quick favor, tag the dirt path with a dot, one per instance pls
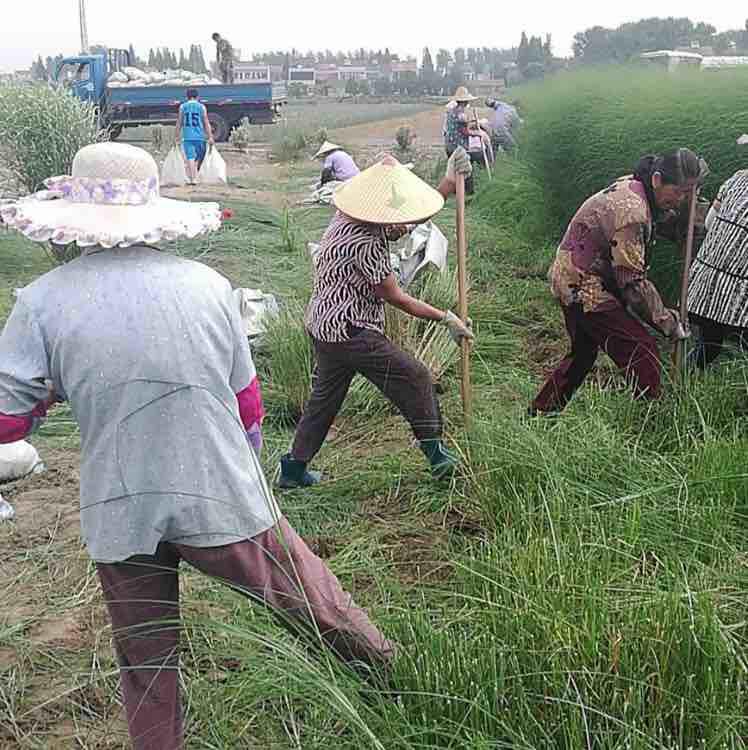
(427, 125)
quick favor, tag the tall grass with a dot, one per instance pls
(587, 128)
(41, 130)
(287, 363)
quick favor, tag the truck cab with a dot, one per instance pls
(86, 75)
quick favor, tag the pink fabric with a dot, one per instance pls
(251, 410)
(13, 429)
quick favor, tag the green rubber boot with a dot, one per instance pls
(294, 474)
(443, 462)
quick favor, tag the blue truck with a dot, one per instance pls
(132, 106)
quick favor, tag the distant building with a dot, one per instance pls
(673, 59)
(253, 73)
(713, 63)
(401, 72)
(352, 73)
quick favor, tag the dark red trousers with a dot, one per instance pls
(623, 338)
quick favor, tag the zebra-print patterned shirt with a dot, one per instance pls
(718, 288)
(352, 260)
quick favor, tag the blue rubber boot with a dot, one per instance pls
(294, 474)
(443, 462)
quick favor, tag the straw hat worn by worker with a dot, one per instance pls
(716, 292)
(337, 165)
(353, 280)
(457, 121)
(149, 350)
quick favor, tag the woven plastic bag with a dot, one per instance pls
(18, 460)
(173, 172)
(7, 512)
(213, 171)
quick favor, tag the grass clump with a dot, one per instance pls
(41, 130)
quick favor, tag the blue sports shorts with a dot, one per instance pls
(194, 150)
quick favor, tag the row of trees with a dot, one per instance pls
(166, 59)
(601, 45)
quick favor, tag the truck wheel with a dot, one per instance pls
(115, 131)
(220, 127)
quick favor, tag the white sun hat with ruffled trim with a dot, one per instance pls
(111, 200)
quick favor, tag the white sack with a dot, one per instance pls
(213, 170)
(174, 172)
(18, 460)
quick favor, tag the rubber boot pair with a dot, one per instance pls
(443, 462)
(294, 474)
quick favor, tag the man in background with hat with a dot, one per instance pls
(337, 165)
(149, 351)
(353, 280)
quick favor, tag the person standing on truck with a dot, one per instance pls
(224, 58)
(194, 133)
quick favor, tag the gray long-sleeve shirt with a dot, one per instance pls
(149, 351)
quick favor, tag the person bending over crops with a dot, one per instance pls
(337, 165)
(600, 278)
(150, 352)
(503, 123)
(353, 279)
(194, 133)
(716, 292)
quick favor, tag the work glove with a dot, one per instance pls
(254, 437)
(457, 329)
(680, 331)
(459, 163)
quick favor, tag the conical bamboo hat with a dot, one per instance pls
(463, 95)
(326, 148)
(388, 193)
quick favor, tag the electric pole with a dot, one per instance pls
(84, 27)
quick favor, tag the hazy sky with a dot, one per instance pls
(30, 27)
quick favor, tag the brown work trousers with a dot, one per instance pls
(399, 376)
(276, 568)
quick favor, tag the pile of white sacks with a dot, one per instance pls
(134, 77)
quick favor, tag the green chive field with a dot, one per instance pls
(582, 584)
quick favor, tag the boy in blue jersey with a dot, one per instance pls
(193, 132)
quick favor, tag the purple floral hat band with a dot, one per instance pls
(103, 192)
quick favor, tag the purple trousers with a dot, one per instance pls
(276, 568)
(623, 338)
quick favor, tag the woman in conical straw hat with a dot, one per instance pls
(149, 351)
(457, 126)
(353, 280)
(337, 165)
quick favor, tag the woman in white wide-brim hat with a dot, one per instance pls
(150, 352)
(337, 165)
(353, 280)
